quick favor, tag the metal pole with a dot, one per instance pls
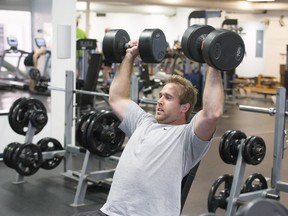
(278, 136)
(68, 117)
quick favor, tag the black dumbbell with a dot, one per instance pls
(220, 48)
(34, 74)
(152, 45)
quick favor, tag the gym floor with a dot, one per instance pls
(50, 193)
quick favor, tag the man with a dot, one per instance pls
(31, 61)
(163, 148)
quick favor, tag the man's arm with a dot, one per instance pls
(213, 105)
(119, 92)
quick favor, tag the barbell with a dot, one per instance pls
(152, 45)
(220, 48)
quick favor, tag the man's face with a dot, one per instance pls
(168, 109)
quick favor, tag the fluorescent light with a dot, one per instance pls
(260, 0)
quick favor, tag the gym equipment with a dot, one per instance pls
(220, 48)
(219, 200)
(152, 45)
(26, 159)
(263, 207)
(218, 196)
(98, 132)
(25, 110)
(49, 144)
(237, 198)
(254, 182)
(253, 152)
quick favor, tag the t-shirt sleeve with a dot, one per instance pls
(133, 117)
(195, 148)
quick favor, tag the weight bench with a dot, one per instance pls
(186, 184)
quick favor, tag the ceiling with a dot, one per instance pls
(227, 5)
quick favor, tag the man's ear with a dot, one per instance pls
(185, 107)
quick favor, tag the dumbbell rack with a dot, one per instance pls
(235, 198)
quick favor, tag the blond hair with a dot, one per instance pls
(188, 93)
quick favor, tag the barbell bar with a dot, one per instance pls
(270, 111)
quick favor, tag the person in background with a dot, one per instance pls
(80, 34)
(31, 61)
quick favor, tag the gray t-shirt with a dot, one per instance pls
(147, 180)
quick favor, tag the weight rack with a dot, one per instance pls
(277, 185)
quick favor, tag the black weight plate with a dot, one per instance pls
(22, 112)
(219, 200)
(254, 182)
(27, 159)
(8, 153)
(104, 138)
(192, 39)
(34, 74)
(221, 146)
(231, 146)
(254, 150)
(80, 127)
(114, 43)
(12, 110)
(39, 119)
(223, 49)
(49, 144)
(152, 45)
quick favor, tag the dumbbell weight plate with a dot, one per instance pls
(254, 150)
(192, 39)
(34, 74)
(8, 153)
(231, 146)
(223, 49)
(114, 45)
(152, 45)
(254, 182)
(219, 192)
(27, 159)
(49, 144)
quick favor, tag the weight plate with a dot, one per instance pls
(217, 197)
(8, 154)
(35, 74)
(192, 39)
(223, 49)
(12, 110)
(103, 136)
(81, 126)
(254, 150)
(152, 45)
(21, 115)
(222, 152)
(231, 146)
(49, 144)
(114, 43)
(254, 182)
(27, 159)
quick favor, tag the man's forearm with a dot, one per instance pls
(120, 86)
(213, 95)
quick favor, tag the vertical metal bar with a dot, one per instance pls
(68, 117)
(82, 183)
(134, 89)
(278, 136)
(237, 182)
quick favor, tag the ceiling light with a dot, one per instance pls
(260, 0)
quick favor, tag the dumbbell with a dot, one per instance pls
(152, 45)
(220, 48)
(34, 74)
(253, 150)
